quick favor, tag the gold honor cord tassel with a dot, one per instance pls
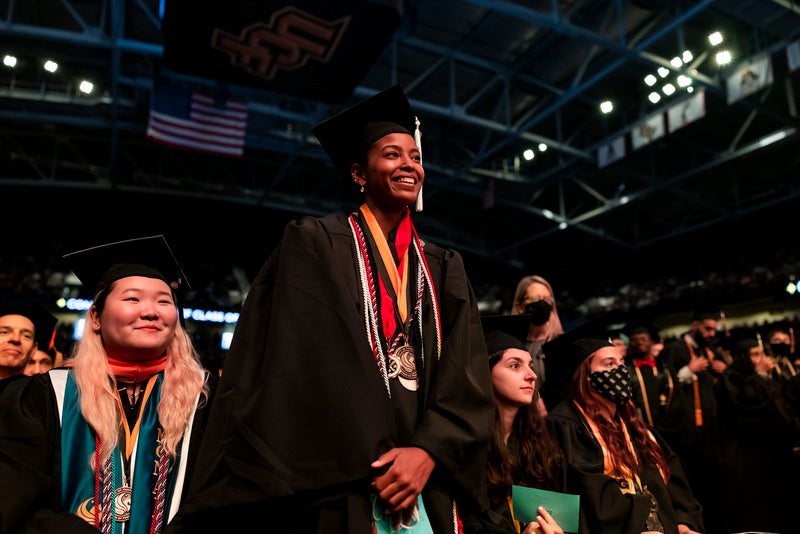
(698, 409)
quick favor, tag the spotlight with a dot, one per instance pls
(723, 58)
(86, 87)
(715, 38)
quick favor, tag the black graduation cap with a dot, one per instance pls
(97, 267)
(702, 314)
(640, 324)
(505, 332)
(565, 353)
(347, 134)
(43, 321)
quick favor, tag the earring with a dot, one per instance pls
(362, 189)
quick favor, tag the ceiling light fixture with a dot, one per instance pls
(9, 61)
(650, 80)
(606, 106)
(723, 57)
(86, 87)
(715, 38)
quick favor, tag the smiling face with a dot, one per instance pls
(513, 378)
(17, 342)
(138, 319)
(393, 173)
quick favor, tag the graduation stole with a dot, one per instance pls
(129, 498)
(628, 479)
(379, 321)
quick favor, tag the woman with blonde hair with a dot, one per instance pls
(104, 444)
(534, 297)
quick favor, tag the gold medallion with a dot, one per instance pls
(122, 504)
(407, 357)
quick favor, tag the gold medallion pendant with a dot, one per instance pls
(407, 366)
(122, 504)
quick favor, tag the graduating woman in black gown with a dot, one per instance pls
(356, 385)
(629, 479)
(106, 444)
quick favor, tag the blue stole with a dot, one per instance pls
(78, 462)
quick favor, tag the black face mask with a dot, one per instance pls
(780, 349)
(613, 384)
(539, 312)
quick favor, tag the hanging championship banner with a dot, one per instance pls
(311, 49)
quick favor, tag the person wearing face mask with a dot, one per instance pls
(534, 297)
(780, 346)
(629, 479)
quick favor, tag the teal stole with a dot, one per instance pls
(78, 462)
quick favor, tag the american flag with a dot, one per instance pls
(195, 120)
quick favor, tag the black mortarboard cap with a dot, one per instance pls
(97, 267)
(637, 326)
(705, 313)
(348, 133)
(43, 321)
(505, 332)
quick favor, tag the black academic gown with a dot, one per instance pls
(696, 445)
(759, 431)
(604, 508)
(302, 410)
(30, 459)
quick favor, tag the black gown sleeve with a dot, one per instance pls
(30, 460)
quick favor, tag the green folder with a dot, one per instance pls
(564, 507)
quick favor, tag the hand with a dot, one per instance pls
(697, 364)
(683, 529)
(408, 472)
(718, 366)
(544, 524)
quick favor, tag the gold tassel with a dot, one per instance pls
(698, 410)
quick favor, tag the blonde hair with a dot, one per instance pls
(552, 328)
(184, 380)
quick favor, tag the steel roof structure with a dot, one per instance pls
(489, 80)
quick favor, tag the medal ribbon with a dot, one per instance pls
(397, 277)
